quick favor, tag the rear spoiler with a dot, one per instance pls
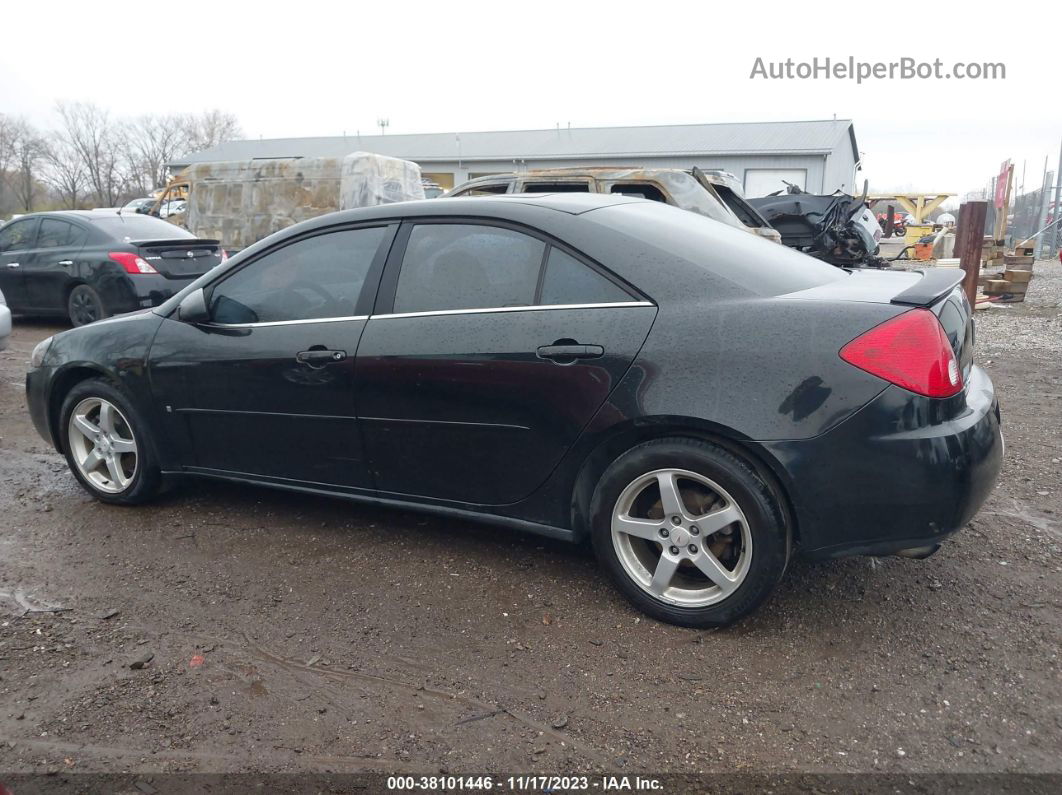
(179, 243)
(934, 285)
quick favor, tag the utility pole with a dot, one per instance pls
(1058, 206)
(1045, 205)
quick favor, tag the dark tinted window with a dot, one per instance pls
(59, 234)
(467, 266)
(318, 277)
(568, 281)
(17, 235)
(556, 187)
(131, 226)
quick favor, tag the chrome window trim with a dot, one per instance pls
(288, 322)
(492, 310)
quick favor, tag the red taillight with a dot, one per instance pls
(131, 262)
(911, 351)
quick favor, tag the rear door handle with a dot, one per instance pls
(66, 262)
(569, 353)
(12, 264)
(319, 357)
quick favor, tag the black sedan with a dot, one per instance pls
(699, 403)
(88, 265)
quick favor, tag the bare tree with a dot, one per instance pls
(27, 155)
(151, 142)
(98, 142)
(209, 128)
(8, 135)
(64, 172)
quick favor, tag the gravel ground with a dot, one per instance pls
(231, 628)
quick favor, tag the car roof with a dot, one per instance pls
(84, 215)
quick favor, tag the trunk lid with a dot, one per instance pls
(182, 258)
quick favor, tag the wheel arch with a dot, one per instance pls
(625, 436)
(64, 381)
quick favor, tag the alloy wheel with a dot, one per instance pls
(102, 445)
(681, 537)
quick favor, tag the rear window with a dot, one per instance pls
(754, 264)
(139, 227)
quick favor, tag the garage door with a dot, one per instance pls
(764, 181)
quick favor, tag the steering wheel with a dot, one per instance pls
(329, 301)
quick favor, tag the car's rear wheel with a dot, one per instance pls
(85, 306)
(689, 532)
(106, 444)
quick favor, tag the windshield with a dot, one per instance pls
(139, 227)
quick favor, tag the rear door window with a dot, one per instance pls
(55, 233)
(467, 266)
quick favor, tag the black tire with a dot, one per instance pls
(146, 482)
(769, 535)
(84, 306)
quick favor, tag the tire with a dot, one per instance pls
(134, 476)
(729, 517)
(84, 306)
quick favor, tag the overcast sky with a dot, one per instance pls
(310, 68)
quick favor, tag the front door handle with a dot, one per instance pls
(567, 353)
(66, 262)
(319, 357)
(12, 264)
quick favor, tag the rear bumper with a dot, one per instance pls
(140, 291)
(894, 476)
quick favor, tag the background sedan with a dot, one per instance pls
(90, 265)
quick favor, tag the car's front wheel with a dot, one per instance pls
(106, 444)
(689, 532)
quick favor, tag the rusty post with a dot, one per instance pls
(969, 238)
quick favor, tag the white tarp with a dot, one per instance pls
(367, 180)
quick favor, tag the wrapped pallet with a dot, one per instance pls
(239, 202)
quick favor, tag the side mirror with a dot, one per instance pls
(193, 308)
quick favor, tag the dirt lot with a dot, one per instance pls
(289, 633)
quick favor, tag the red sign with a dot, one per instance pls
(1002, 181)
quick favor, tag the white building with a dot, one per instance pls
(819, 156)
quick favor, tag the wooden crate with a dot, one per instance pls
(1018, 276)
(1015, 260)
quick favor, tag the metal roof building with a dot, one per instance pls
(820, 156)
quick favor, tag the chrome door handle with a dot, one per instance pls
(66, 262)
(12, 264)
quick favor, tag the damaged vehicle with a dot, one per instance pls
(715, 194)
(839, 229)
